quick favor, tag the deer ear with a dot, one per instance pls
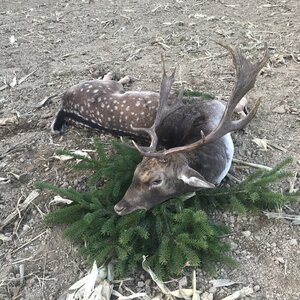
(193, 178)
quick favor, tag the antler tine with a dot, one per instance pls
(162, 111)
(246, 73)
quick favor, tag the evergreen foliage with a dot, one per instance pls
(172, 235)
(202, 95)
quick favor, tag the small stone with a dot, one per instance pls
(212, 290)
(256, 288)
(293, 242)
(183, 281)
(207, 296)
(280, 260)
(280, 109)
(142, 276)
(232, 219)
(26, 228)
(141, 284)
(246, 233)
(233, 245)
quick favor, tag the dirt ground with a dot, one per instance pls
(60, 43)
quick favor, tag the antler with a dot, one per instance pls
(246, 73)
(165, 107)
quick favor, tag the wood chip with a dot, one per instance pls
(280, 109)
(11, 120)
(33, 195)
(26, 76)
(246, 291)
(261, 143)
(223, 282)
(45, 100)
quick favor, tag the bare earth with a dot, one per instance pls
(65, 42)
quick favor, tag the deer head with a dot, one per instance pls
(164, 174)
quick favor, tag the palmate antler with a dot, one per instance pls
(246, 73)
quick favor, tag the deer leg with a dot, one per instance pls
(124, 80)
(108, 76)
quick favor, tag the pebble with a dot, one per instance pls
(280, 260)
(141, 284)
(26, 228)
(293, 242)
(233, 245)
(280, 109)
(246, 233)
(212, 290)
(207, 296)
(256, 288)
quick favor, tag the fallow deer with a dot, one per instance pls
(194, 135)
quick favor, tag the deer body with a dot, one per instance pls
(195, 133)
(105, 106)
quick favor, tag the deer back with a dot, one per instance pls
(104, 105)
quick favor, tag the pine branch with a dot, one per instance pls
(173, 234)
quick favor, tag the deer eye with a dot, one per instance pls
(156, 182)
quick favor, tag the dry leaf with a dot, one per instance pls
(278, 215)
(261, 143)
(59, 199)
(91, 287)
(11, 120)
(26, 76)
(63, 157)
(280, 109)
(4, 180)
(45, 100)
(223, 282)
(246, 291)
(5, 238)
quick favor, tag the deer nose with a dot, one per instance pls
(119, 209)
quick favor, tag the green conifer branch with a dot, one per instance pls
(172, 235)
